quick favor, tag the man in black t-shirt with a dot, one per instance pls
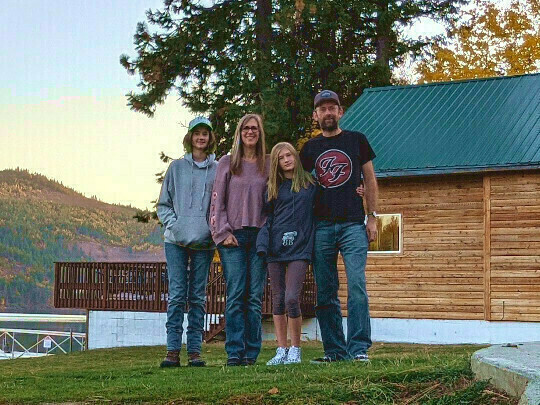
(340, 160)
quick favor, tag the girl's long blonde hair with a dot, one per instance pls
(237, 152)
(301, 178)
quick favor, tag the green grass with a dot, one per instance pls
(399, 374)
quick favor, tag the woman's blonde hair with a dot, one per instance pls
(301, 178)
(188, 141)
(237, 152)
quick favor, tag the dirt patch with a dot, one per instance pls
(433, 390)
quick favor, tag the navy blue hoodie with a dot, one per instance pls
(288, 233)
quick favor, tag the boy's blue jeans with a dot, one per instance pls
(245, 278)
(187, 270)
(349, 238)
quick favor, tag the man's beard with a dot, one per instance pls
(329, 126)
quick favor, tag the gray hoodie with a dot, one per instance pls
(184, 202)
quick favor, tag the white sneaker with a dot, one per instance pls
(279, 358)
(361, 357)
(294, 355)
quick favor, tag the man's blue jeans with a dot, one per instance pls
(186, 283)
(245, 278)
(349, 238)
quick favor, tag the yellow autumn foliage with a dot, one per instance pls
(488, 40)
(312, 133)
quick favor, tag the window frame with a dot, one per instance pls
(391, 252)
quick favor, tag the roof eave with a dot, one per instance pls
(433, 171)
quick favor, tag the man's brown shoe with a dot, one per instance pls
(194, 360)
(172, 359)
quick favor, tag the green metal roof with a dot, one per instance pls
(461, 126)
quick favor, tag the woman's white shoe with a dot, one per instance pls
(279, 358)
(294, 355)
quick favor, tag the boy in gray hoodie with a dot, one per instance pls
(183, 209)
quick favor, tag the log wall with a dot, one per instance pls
(515, 247)
(471, 249)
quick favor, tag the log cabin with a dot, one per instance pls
(458, 168)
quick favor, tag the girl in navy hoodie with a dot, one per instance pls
(287, 242)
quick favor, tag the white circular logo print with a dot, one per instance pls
(333, 168)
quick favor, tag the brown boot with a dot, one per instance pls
(194, 360)
(172, 359)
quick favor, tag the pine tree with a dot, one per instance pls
(270, 57)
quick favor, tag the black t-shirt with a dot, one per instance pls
(337, 164)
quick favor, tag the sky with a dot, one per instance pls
(63, 109)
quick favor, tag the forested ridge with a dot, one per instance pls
(42, 221)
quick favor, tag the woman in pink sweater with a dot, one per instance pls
(236, 215)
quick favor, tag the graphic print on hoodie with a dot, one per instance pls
(288, 233)
(184, 202)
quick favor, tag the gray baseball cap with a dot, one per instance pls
(326, 95)
(200, 121)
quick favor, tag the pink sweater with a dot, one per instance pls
(237, 200)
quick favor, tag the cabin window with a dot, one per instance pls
(389, 235)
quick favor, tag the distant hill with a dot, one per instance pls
(42, 221)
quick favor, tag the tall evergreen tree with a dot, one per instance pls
(270, 56)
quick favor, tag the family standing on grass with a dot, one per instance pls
(275, 213)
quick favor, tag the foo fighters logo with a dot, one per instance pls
(333, 168)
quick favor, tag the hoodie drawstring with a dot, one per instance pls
(293, 207)
(191, 187)
(206, 164)
(204, 187)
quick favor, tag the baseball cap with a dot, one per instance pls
(200, 121)
(326, 95)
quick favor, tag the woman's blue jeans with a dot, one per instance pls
(245, 278)
(188, 274)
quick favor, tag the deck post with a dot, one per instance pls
(105, 284)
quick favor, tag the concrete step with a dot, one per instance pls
(513, 368)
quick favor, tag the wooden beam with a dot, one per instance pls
(487, 247)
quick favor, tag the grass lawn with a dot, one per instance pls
(397, 374)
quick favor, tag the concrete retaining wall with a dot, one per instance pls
(117, 328)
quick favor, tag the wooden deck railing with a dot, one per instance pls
(111, 286)
(144, 287)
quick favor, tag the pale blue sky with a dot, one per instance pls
(63, 109)
(62, 100)
(67, 47)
